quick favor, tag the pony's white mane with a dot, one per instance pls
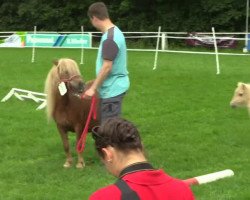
(62, 67)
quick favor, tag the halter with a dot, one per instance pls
(67, 80)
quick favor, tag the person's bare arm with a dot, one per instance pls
(105, 70)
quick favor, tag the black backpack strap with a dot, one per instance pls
(126, 191)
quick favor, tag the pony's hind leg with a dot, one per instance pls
(65, 140)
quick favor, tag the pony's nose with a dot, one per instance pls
(232, 105)
(81, 87)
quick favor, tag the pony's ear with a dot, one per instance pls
(239, 84)
(242, 85)
(55, 62)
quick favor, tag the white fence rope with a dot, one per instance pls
(132, 35)
(143, 35)
(148, 36)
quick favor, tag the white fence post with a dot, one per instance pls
(33, 49)
(157, 47)
(247, 13)
(82, 52)
(216, 52)
(163, 42)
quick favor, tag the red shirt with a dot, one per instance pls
(149, 185)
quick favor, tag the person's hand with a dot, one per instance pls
(89, 93)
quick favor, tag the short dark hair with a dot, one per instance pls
(118, 133)
(99, 10)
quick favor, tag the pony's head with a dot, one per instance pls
(64, 72)
(68, 72)
(241, 96)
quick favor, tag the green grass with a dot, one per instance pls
(181, 109)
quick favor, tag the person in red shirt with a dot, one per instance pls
(119, 145)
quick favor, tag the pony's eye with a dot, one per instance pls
(66, 72)
(240, 94)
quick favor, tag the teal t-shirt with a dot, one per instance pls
(113, 47)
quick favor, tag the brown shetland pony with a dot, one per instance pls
(68, 111)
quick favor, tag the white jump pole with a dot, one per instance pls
(33, 49)
(216, 52)
(157, 47)
(203, 179)
(82, 51)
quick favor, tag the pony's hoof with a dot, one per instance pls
(80, 165)
(67, 165)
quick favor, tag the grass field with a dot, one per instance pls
(181, 109)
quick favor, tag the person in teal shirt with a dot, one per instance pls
(112, 81)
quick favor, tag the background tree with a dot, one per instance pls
(130, 15)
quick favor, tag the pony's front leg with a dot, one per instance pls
(65, 140)
(80, 163)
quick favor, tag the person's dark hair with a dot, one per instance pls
(98, 10)
(118, 133)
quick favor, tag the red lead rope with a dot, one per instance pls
(92, 113)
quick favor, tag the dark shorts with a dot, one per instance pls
(111, 107)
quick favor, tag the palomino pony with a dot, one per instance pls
(66, 108)
(241, 96)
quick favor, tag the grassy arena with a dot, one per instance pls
(182, 111)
